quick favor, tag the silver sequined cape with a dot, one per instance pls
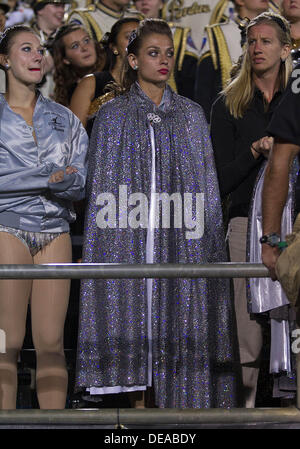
(193, 334)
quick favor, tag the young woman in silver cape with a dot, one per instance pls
(176, 335)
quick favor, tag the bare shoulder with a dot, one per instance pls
(88, 81)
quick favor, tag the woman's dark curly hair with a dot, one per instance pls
(66, 76)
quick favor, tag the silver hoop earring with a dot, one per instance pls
(135, 67)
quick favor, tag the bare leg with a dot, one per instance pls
(14, 296)
(49, 304)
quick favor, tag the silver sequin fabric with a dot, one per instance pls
(194, 344)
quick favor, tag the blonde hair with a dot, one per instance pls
(240, 90)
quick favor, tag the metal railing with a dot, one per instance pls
(132, 271)
(144, 417)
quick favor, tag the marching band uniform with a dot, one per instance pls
(221, 50)
(22, 14)
(190, 14)
(98, 18)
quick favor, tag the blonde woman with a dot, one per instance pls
(240, 117)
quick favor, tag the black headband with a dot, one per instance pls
(279, 22)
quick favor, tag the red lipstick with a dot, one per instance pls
(163, 71)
